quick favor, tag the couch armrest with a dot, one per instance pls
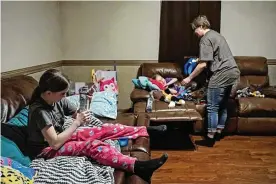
(269, 91)
(138, 95)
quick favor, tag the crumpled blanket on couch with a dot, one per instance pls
(74, 169)
(71, 169)
(248, 92)
(147, 83)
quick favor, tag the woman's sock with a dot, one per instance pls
(219, 130)
(211, 135)
(145, 169)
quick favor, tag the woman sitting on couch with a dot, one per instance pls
(47, 138)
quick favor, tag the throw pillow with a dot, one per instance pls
(104, 104)
(74, 99)
(20, 119)
(9, 149)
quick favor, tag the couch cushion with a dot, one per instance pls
(252, 65)
(164, 69)
(257, 107)
(138, 95)
(253, 81)
(254, 71)
(16, 92)
(257, 125)
(269, 91)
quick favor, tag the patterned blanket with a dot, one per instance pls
(73, 169)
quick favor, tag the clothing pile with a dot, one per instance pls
(247, 92)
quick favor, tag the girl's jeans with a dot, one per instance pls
(216, 107)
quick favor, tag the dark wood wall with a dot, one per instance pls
(177, 39)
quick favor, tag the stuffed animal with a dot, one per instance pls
(256, 94)
(93, 76)
(109, 85)
(171, 99)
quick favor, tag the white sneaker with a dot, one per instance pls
(181, 102)
(172, 104)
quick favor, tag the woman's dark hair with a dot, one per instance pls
(51, 80)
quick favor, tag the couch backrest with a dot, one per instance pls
(164, 69)
(16, 93)
(254, 71)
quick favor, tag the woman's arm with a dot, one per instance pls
(199, 68)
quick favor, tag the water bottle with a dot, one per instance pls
(83, 98)
(149, 103)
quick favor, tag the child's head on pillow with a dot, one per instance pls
(159, 78)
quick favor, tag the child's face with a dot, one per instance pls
(160, 79)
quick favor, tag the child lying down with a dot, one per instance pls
(174, 93)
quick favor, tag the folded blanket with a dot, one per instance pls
(74, 169)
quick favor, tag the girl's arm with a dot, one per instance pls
(172, 81)
(57, 140)
(173, 91)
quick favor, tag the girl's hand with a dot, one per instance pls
(173, 91)
(83, 117)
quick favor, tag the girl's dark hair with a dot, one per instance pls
(51, 80)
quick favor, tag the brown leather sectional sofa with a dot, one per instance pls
(16, 93)
(248, 115)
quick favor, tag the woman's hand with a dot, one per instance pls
(83, 117)
(185, 81)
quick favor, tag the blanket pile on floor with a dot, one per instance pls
(74, 169)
